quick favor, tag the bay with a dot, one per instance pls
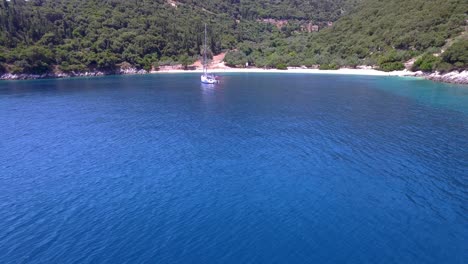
(262, 168)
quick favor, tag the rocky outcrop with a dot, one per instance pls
(132, 71)
(24, 76)
(450, 77)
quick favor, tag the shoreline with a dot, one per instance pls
(451, 77)
(342, 71)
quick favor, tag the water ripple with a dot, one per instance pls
(261, 169)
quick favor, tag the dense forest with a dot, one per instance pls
(377, 32)
(40, 36)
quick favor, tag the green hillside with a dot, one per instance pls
(40, 36)
(316, 10)
(393, 31)
(77, 35)
(377, 32)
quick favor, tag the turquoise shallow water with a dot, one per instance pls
(264, 168)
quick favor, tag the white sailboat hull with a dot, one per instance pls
(208, 79)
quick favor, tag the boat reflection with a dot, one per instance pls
(208, 86)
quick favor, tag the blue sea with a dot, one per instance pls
(262, 168)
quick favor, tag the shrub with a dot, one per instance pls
(444, 67)
(65, 67)
(391, 66)
(426, 63)
(281, 66)
(106, 60)
(331, 66)
(183, 59)
(352, 62)
(155, 66)
(457, 54)
(235, 58)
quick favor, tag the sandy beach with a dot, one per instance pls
(450, 77)
(369, 72)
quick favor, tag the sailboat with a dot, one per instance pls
(206, 76)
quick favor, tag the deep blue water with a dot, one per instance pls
(264, 168)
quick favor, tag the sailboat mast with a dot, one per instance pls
(204, 53)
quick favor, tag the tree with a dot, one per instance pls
(427, 63)
(235, 59)
(185, 61)
(457, 54)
